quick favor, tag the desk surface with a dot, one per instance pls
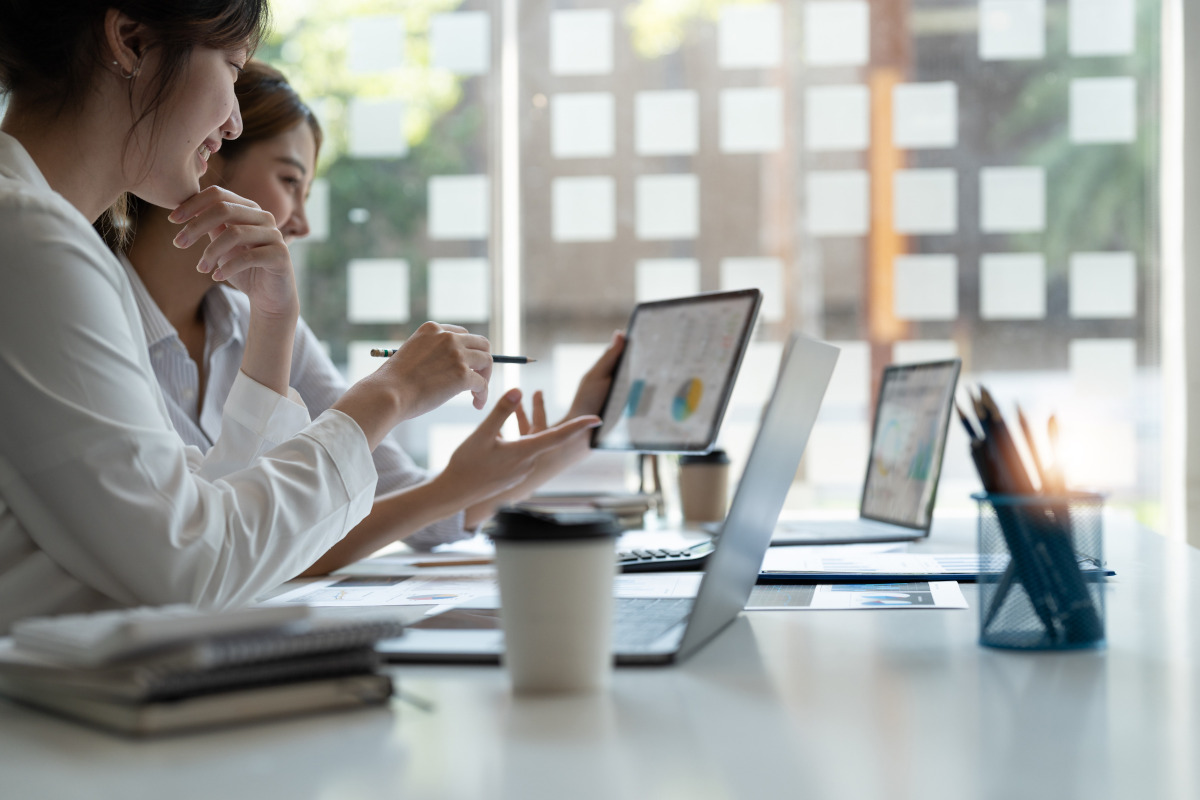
(812, 704)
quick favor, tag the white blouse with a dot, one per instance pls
(313, 377)
(101, 504)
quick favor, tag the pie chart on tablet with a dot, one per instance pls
(687, 399)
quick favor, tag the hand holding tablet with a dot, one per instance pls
(676, 375)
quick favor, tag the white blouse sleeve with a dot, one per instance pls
(254, 420)
(320, 383)
(109, 492)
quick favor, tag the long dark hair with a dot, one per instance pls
(50, 55)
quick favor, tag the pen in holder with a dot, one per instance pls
(1041, 578)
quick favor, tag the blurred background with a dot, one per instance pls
(909, 179)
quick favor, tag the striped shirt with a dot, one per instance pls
(314, 377)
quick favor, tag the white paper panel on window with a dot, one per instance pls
(377, 290)
(1103, 110)
(837, 118)
(1103, 285)
(667, 123)
(1102, 27)
(749, 36)
(925, 115)
(316, 210)
(571, 361)
(1012, 286)
(926, 201)
(838, 203)
(1013, 199)
(583, 209)
(461, 42)
(837, 33)
(1012, 29)
(668, 206)
(581, 42)
(751, 120)
(459, 207)
(850, 384)
(1103, 367)
(663, 278)
(459, 289)
(581, 125)
(376, 44)
(926, 287)
(377, 128)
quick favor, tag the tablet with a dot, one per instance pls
(675, 376)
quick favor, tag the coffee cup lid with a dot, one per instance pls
(519, 524)
(711, 457)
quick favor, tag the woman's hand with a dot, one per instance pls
(246, 249)
(491, 464)
(436, 363)
(593, 387)
(568, 450)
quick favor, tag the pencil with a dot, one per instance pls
(384, 353)
(456, 562)
(1033, 451)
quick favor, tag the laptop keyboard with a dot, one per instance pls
(641, 621)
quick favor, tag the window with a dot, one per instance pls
(910, 181)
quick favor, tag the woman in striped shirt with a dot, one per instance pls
(196, 332)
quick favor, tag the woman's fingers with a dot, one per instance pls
(242, 247)
(523, 421)
(509, 402)
(539, 411)
(204, 212)
(538, 443)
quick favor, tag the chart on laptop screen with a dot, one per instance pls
(675, 375)
(910, 428)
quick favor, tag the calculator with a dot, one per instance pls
(665, 559)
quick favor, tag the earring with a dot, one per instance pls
(133, 73)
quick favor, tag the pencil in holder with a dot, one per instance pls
(1041, 578)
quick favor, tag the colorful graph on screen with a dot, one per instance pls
(687, 399)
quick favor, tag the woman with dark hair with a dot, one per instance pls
(197, 332)
(101, 504)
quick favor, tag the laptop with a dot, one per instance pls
(665, 630)
(908, 441)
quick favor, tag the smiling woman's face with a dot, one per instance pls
(276, 173)
(171, 149)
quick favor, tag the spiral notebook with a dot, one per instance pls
(324, 664)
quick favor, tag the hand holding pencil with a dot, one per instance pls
(378, 352)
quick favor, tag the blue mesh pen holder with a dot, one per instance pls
(1041, 578)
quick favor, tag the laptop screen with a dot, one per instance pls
(908, 441)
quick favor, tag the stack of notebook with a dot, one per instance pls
(147, 671)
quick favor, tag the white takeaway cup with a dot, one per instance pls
(556, 576)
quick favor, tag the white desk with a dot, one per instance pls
(836, 704)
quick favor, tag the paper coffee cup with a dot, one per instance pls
(556, 576)
(704, 486)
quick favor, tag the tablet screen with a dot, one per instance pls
(677, 372)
